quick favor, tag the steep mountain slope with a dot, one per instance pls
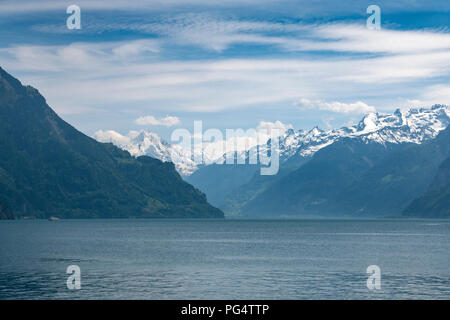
(435, 202)
(391, 184)
(48, 168)
(314, 187)
(5, 212)
(355, 177)
(297, 147)
(237, 198)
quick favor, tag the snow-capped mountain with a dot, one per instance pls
(412, 126)
(139, 143)
(150, 144)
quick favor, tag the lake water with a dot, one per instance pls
(230, 259)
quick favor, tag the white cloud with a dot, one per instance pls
(136, 47)
(357, 38)
(427, 97)
(207, 86)
(219, 35)
(213, 33)
(108, 75)
(267, 126)
(168, 121)
(335, 106)
(111, 136)
(438, 94)
(210, 32)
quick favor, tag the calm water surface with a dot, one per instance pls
(232, 259)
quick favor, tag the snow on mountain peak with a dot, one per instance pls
(369, 123)
(139, 143)
(411, 126)
(316, 131)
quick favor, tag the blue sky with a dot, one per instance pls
(231, 64)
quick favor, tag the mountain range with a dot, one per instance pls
(48, 168)
(373, 168)
(385, 165)
(381, 132)
(412, 126)
(356, 178)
